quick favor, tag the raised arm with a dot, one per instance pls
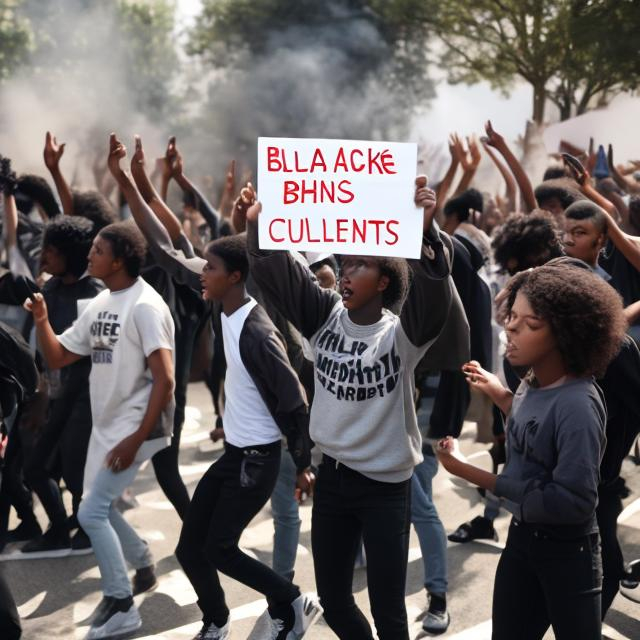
(495, 140)
(512, 189)
(630, 186)
(211, 216)
(229, 191)
(52, 154)
(468, 161)
(150, 195)
(442, 190)
(183, 269)
(289, 285)
(8, 185)
(431, 287)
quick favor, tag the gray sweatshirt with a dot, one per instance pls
(555, 442)
(363, 411)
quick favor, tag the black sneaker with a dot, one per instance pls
(80, 543)
(480, 528)
(55, 543)
(118, 617)
(144, 580)
(25, 531)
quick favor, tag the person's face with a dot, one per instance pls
(529, 337)
(215, 279)
(326, 277)
(52, 261)
(553, 206)
(360, 281)
(582, 240)
(101, 261)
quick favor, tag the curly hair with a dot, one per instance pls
(460, 206)
(530, 239)
(127, 243)
(93, 205)
(399, 274)
(587, 210)
(72, 237)
(36, 190)
(584, 312)
(232, 250)
(564, 189)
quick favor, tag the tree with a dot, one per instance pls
(569, 51)
(15, 38)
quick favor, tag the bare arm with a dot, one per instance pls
(512, 189)
(52, 154)
(496, 141)
(443, 188)
(55, 355)
(469, 163)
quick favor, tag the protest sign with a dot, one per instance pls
(339, 196)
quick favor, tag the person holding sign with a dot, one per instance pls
(363, 417)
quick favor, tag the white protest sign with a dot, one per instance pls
(339, 196)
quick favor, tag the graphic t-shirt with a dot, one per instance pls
(247, 420)
(119, 330)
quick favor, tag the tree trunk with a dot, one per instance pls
(539, 100)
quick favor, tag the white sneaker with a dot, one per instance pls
(307, 610)
(114, 622)
(211, 632)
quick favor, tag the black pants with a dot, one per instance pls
(10, 628)
(542, 581)
(347, 508)
(607, 512)
(65, 434)
(228, 496)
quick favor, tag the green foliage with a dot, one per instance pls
(15, 38)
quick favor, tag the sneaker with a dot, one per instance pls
(144, 580)
(25, 531)
(118, 618)
(480, 528)
(80, 543)
(307, 610)
(54, 543)
(211, 632)
(436, 620)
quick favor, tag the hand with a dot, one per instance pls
(305, 483)
(445, 450)
(242, 205)
(117, 151)
(493, 138)
(425, 198)
(38, 307)
(137, 159)
(169, 159)
(52, 152)
(216, 434)
(121, 457)
(474, 150)
(485, 381)
(230, 181)
(576, 169)
(456, 149)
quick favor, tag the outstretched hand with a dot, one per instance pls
(52, 152)
(493, 138)
(246, 207)
(138, 155)
(426, 199)
(117, 151)
(169, 159)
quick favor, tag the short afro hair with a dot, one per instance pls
(232, 250)
(587, 210)
(585, 314)
(471, 199)
(554, 172)
(94, 206)
(530, 238)
(72, 237)
(564, 189)
(33, 189)
(399, 274)
(127, 244)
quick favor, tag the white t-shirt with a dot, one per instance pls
(247, 420)
(119, 330)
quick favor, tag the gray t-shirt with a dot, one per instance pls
(555, 442)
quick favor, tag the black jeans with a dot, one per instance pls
(347, 508)
(541, 581)
(607, 512)
(66, 433)
(10, 628)
(228, 496)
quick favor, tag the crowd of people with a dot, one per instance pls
(523, 308)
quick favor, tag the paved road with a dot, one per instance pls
(56, 596)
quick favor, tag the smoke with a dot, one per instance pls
(80, 86)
